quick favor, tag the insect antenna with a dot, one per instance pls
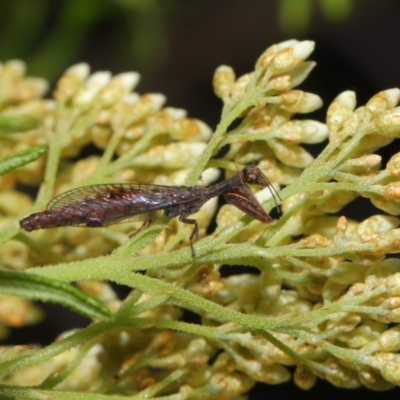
(274, 195)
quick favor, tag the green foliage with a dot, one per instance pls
(23, 157)
(54, 33)
(325, 300)
(295, 16)
(50, 290)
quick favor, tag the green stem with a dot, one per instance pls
(250, 98)
(6, 367)
(53, 159)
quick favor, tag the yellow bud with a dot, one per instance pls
(190, 130)
(239, 87)
(134, 109)
(279, 84)
(332, 291)
(314, 241)
(376, 224)
(18, 312)
(284, 56)
(12, 69)
(391, 207)
(289, 57)
(118, 86)
(346, 273)
(388, 123)
(391, 303)
(393, 165)
(172, 156)
(382, 272)
(272, 50)
(341, 226)
(391, 191)
(304, 378)
(392, 285)
(340, 110)
(71, 81)
(300, 73)
(270, 287)
(383, 101)
(93, 85)
(302, 131)
(391, 371)
(100, 135)
(392, 96)
(291, 154)
(224, 78)
(390, 340)
(298, 101)
(362, 164)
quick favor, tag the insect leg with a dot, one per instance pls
(195, 232)
(150, 218)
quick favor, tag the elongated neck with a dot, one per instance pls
(224, 186)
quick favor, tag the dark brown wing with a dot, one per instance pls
(106, 204)
(94, 192)
(101, 205)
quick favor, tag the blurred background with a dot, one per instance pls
(176, 46)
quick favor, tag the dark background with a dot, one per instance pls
(176, 46)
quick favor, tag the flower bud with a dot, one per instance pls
(341, 226)
(289, 57)
(391, 191)
(224, 78)
(340, 110)
(388, 123)
(239, 88)
(285, 56)
(393, 165)
(392, 96)
(134, 109)
(94, 84)
(332, 291)
(392, 285)
(390, 340)
(270, 288)
(280, 83)
(304, 378)
(391, 372)
(383, 101)
(15, 87)
(291, 154)
(298, 101)
(171, 156)
(12, 69)
(391, 207)
(347, 273)
(302, 131)
(119, 86)
(18, 312)
(190, 130)
(372, 226)
(362, 164)
(300, 73)
(71, 81)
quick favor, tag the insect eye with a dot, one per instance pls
(252, 178)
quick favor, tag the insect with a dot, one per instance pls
(105, 204)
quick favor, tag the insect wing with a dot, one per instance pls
(97, 192)
(106, 204)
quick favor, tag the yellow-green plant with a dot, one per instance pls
(323, 299)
